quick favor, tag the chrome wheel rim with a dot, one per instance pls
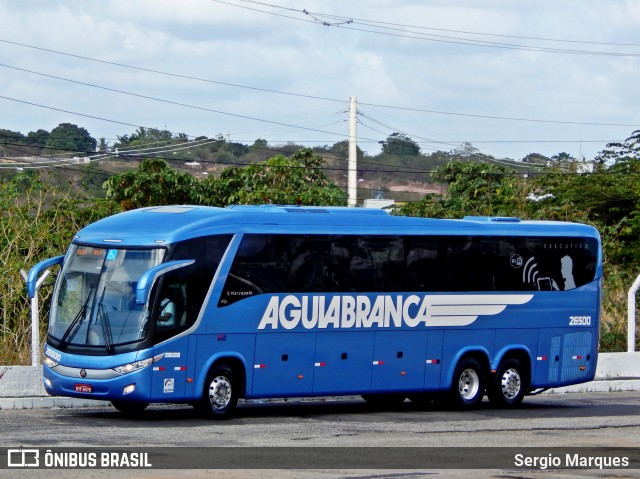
(469, 384)
(220, 392)
(510, 383)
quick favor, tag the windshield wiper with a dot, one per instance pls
(106, 328)
(75, 324)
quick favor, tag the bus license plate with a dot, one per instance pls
(83, 388)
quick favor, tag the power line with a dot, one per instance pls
(289, 125)
(495, 117)
(342, 18)
(266, 90)
(497, 35)
(71, 112)
(400, 30)
(170, 74)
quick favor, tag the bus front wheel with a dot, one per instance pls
(468, 385)
(220, 394)
(509, 385)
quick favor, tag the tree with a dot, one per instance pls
(103, 145)
(8, 142)
(297, 180)
(399, 144)
(38, 138)
(465, 149)
(153, 183)
(629, 149)
(145, 136)
(478, 188)
(68, 137)
(536, 158)
(237, 149)
(563, 157)
(260, 143)
(341, 150)
(474, 188)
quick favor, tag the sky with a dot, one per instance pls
(510, 77)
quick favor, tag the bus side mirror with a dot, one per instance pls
(32, 277)
(145, 283)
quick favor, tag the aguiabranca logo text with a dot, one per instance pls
(383, 311)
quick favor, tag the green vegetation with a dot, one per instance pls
(38, 222)
(608, 199)
(42, 211)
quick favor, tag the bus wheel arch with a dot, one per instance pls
(511, 382)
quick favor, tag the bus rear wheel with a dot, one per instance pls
(220, 394)
(509, 385)
(467, 388)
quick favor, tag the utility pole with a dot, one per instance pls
(352, 183)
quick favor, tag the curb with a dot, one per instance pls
(600, 386)
(49, 402)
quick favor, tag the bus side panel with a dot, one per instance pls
(433, 361)
(284, 364)
(565, 356)
(399, 361)
(578, 362)
(460, 342)
(343, 362)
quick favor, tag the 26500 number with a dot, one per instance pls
(579, 320)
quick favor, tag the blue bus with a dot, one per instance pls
(203, 306)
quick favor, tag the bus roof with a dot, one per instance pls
(163, 225)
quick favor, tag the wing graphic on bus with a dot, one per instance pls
(449, 310)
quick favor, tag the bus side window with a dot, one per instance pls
(427, 265)
(317, 264)
(378, 263)
(260, 266)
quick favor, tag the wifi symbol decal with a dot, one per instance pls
(530, 271)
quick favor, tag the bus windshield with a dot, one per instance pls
(94, 301)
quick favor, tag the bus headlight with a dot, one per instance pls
(136, 366)
(50, 362)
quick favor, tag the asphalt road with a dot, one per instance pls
(596, 420)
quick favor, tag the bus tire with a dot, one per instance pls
(220, 394)
(509, 385)
(128, 407)
(467, 388)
